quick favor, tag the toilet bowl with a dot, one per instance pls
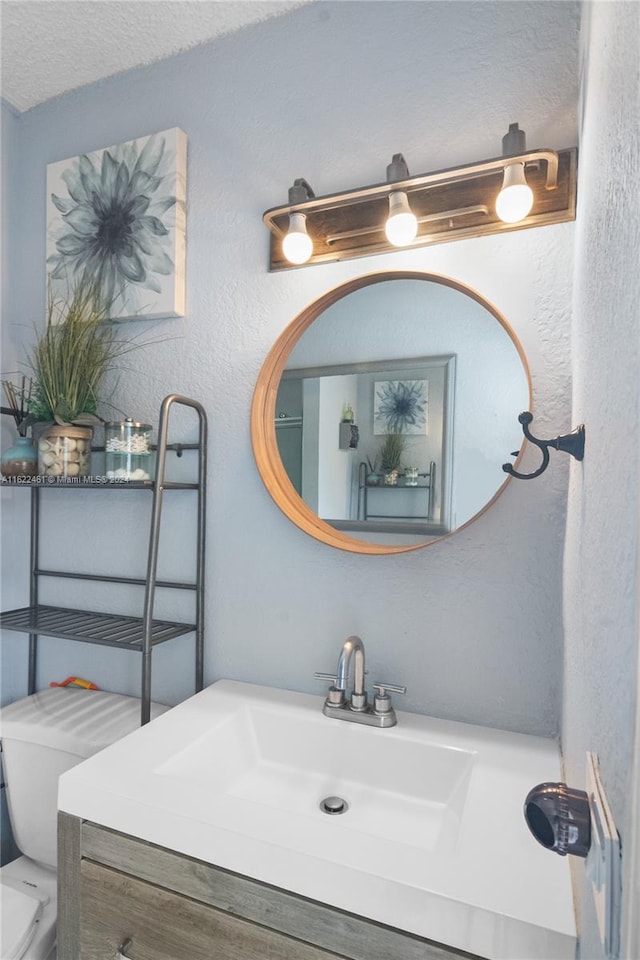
(42, 736)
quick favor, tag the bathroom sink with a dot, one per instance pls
(399, 787)
(428, 833)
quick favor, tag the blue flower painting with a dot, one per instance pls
(116, 217)
(401, 406)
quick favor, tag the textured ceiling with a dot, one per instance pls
(49, 47)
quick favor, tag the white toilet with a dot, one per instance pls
(42, 736)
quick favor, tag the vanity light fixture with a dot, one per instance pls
(297, 245)
(401, 226)
(515, 200)
(460, 202)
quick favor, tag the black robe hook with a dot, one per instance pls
(572, 443)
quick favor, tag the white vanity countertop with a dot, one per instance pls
(434, 841)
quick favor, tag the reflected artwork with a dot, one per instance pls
(401, 406)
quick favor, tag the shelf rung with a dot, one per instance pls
(106, 629)
(107, 578)
(96, 483)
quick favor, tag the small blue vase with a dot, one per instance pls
(20, 460)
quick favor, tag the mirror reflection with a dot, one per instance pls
(397, 407)
(394, 425)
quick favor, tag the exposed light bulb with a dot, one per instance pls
(402, 225)
(297, 245)
(516, 197)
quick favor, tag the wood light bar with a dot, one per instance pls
(449, 204)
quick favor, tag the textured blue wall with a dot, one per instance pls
(330, 92)
(601, 556)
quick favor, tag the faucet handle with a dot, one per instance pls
(382, 700)
(393, 687)
(335, 697)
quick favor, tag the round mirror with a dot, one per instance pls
(384, 412)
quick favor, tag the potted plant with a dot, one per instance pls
(372, 478)
(69, 362)
(21, 459)
(391, 451)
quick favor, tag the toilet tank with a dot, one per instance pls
(42, 736)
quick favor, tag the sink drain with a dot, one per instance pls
(334, 805)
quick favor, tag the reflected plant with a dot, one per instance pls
(391, 451)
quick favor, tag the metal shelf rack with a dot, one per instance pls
(425, 484)
(142, 633)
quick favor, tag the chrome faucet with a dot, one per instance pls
(352, 649)
(357, 708)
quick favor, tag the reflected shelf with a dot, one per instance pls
(413, 527)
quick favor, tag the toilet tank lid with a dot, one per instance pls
(77, 721)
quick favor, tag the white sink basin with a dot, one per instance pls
(432, 841)
(397, 788)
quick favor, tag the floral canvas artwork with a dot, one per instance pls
(401, 406)
(117, 217)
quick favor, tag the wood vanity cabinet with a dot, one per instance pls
(114, 888)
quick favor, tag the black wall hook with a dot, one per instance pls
(572, 443)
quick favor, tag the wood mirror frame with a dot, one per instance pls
(263, 409)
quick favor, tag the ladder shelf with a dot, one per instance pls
(141, 633)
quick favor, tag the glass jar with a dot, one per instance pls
(128, 454)
(20, 460)
(411, 475)
(65, 451)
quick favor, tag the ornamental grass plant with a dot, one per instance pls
(71, 359)
(391, 451)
